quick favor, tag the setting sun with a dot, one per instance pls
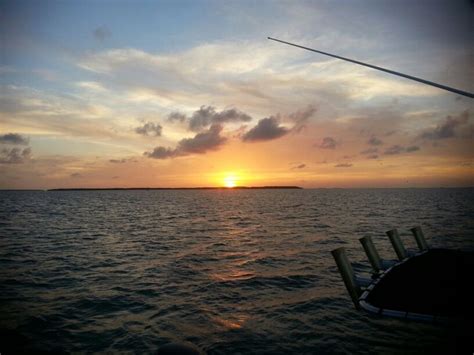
(230, 181)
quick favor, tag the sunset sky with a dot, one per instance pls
(191, 93)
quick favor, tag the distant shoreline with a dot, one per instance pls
(241, 188)
(178, 188)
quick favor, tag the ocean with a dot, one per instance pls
(231, 271)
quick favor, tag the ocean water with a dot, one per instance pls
(231, 271)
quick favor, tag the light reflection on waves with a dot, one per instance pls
(248, 271)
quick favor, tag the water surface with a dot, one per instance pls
(232, 271)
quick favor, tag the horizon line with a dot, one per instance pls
(269, 187)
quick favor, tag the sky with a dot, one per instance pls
(192, 93)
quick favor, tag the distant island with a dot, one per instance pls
(176, 188)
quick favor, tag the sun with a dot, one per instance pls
(230, 181)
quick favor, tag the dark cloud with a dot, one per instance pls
(149, 129)
(162, 153)
(412, 148)
(201, 143)
(266, 129)
(123, 161)
(447, 129)
(14, 155)
(398, 149)
(374, 141)
(300, 118)
(176, 116)
(369, 151)
(328, 143)
(76, 175)
(343, 165)
(372, 156)
(101, 33)
(13, 138)
(207, 115)
(204, 141)
(394, 149)
(301, 166)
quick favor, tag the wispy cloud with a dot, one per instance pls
(367, 151)
(14, 155)
(398, 149)
(343, 165)
(328, 143)
(373, 140)
(300, 166)
(448, 128)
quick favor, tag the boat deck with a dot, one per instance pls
(436, 283)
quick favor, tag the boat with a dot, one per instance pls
(431, 284)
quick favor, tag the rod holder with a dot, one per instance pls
(397, 244)
(372, 253)
(347, 274)
(420, 238)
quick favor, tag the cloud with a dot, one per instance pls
(300, 117)
(76, 175)
(204, 141)
(372, 156)
(207, 115)
(374, 141)
(149, 129)
(40, 111)
(328, 143)
(101, 33)
(162, 153)
(176, 116)
(13, 138)
(118, 161)
(447, 129)
(266, 129)
(370, 151)
(343, 165)
(398, 149)
(394, 149)
(14, 155)
(201, 143)
(412, 148)
(300, 166)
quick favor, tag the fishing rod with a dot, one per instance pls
(427, 82)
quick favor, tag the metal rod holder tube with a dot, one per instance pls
(397, 244)
(420, 238)
(372, 253)
(347, 273)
